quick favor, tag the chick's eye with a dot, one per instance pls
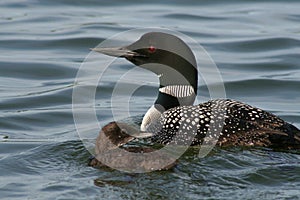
(151, 49)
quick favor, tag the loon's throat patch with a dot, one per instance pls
(178, 91)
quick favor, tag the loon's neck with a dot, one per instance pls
(177, 88)
(170, 95)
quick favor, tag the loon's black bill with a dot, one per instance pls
(116, 52)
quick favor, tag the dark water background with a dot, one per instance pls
(256, 45)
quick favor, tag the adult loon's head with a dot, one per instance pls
(171, 60)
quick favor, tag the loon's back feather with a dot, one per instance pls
(227, 121)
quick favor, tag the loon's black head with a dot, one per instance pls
(171, 59)
(164, 54)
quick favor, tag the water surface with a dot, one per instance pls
(255, 45)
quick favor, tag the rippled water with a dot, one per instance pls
(256, 45)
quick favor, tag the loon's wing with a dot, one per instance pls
(227, 121)
(258, 127)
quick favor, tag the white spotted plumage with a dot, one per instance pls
(220, 119)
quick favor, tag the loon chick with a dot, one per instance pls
(174, 119)
(115, 135)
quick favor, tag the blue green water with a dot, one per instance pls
(255, 44)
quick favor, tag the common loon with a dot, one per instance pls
(173, 116)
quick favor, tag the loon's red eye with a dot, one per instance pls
(151, 49)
